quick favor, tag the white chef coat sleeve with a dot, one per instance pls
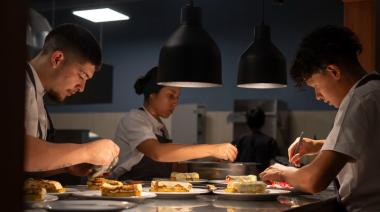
(349, 132)
(31, 111)
(136, 129)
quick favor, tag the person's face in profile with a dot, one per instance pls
(70, 76)
(165, 101)
(326, 87)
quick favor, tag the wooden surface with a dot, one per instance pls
(360, 16)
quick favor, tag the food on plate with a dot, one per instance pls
(211, 187)
(97, 182)
(49, 185)
(127, 190)
(279, 185)
(170, 186)
(33, 192)
(178, 176)
(246, 187)
(241, 178)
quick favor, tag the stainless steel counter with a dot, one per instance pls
(212, 202)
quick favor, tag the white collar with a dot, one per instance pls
(156, 123)
(39, 87)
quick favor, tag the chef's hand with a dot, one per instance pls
(83, 169)
(101, 152)
(307, 146)
(224, 151)
(275, 172)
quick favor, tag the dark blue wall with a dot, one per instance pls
(132, 47)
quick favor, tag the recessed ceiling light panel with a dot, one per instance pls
(101, 15)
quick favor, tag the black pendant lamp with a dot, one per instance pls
(262, 65)
(190, 58)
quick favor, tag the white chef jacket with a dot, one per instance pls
(356, 133)
(34, 108)
(134, 128)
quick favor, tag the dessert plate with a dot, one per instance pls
(96, 194)
(269, 194)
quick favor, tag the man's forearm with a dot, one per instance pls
(43, 156)
(42, 174)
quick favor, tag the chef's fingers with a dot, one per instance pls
(296, 159)
(234, 149)
(232, 153)
(291, 148)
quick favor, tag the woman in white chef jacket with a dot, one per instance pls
(145, 148)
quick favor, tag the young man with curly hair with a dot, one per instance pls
(327, 62)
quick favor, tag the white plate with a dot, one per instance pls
(268, 195)
(47, 198)
(173, 203)
(175, 195)
(96, 194)
(67, 191)
(88, 205)
(197, 181)
(237, 205)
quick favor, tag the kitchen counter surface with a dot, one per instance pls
(212, 202)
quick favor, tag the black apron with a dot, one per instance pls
(147, 169)
(334, 204)
(51, 131)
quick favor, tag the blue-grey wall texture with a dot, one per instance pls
(133, 46)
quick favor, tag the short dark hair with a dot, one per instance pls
(324, 46)
(74, 39)
(255, 118)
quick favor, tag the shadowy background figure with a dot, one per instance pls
(256, 146)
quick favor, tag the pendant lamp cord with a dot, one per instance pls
(189, 3)
(53, 13)
(263, 12)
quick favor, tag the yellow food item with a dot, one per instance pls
(246, 187)
(241, 178)
(49, 185)
(97, 182)
(177, 176)
(170, 186)
(121, 190)
(34, 193)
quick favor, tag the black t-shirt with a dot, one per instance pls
(256, 147)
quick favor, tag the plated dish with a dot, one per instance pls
(182, 195)
(267, 195)
(68, 190)
(96, 194)
(46, 198)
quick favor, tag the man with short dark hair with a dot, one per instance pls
(327, 61)
(68, 59)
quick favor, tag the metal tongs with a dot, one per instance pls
(100, 170)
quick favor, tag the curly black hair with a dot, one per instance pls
(324, 46)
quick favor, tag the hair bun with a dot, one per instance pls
(144, 80)
(139, 85)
